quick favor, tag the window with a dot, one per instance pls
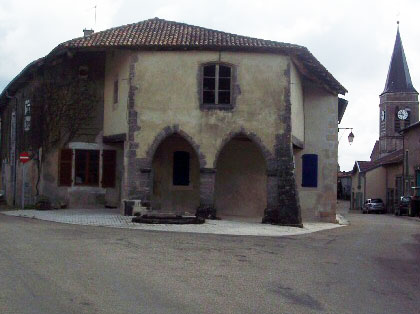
(181, 169)
(27, 116)
(217, 84)
(116, 91)
(87, 167)
(310, 170)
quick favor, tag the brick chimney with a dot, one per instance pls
(87, 32)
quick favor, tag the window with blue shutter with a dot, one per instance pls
(310, 170)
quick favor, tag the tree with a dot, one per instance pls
(64, 104)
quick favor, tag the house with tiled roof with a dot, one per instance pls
(185, 120)
(379, 178)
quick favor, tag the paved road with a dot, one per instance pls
(371, 266)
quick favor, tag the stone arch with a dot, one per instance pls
(268, 156)
(166, 132)
(243, 165)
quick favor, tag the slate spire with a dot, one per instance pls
(398, 79)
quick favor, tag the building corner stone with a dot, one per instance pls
(283, 198)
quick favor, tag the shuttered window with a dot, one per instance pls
(65, 170)
(310, 170)
(87, 167)
(181, 170)
(109, 158)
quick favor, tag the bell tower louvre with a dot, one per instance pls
(399, 106)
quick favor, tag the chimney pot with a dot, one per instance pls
(87, 32)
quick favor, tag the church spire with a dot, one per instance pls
(398, 79)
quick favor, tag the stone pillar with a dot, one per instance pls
(144, 190)
(207, 184)
(283, 209)
(272, 190)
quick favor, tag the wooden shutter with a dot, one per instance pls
(65, 170)
(109, 163)
(310, 170)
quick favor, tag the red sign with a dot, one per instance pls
(24, 157)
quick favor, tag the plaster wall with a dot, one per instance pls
(168, 85)
(412, 144)
(393, 172)
(296, 98)
(241, 180)
(376, 183)
(116, 68)
(321, 114)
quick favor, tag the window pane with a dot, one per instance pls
(210, 70)
(93, 167)
(181, 170)
(209, 83)
(224, 84)
(224, 97)
(224, 71)
(80, 166)
(208, 97)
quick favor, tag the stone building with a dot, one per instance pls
(398, 109)
(197, 120)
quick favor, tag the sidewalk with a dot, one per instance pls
(112, 218)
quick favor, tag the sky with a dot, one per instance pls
(352, 39)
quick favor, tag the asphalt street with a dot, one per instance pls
(371, 266)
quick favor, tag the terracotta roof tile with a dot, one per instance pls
(159, 34)
(392, 158)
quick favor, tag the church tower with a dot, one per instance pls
(399, 106)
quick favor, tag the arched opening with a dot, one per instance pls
(176, 176)
(241, 180)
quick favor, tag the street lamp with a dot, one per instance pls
(351, 135)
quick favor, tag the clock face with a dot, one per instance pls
(402, 114)
(383, 115)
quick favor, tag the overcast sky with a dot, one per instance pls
(352, 39)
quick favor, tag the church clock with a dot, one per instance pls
(402, 114)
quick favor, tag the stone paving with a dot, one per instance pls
(112, 218)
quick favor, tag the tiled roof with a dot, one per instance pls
(410, 127)
(363, 165)
(344, 174)
(392, 158)
(375, 151)
(159, 34)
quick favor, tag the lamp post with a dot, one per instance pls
(351, 135)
